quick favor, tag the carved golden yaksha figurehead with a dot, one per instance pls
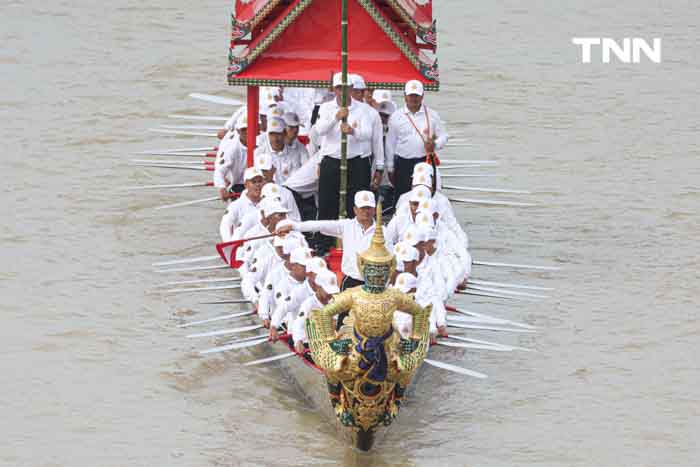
(376, 264)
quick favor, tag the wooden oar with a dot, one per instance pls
(175, 151)
(516, 266)
(182, 133)
(484, 327)
(216, 99)
(494, 344)
(200, 281)
(170, 162)
(454, 368)
(172, 185)
(488, 318)
(504, 291)
(177, 154)
(483, 319)
(459, 345)
(218, 318)
(488, 294)
(196, 268)
(507, 285)
(203, 289)
(226, 302)
(188, 203)
(191, 127)
(181, 167)
(467, 175)
(236, 346)
(206, 118)
(225, 332)
(270, 359)
(485, 190)
(491, 202)
(198, 259)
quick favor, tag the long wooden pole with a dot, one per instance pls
(253, 98)
(342, 207)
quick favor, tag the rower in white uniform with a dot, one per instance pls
(230, 162)
(286, 159)
(327, 288)
(291, 291)
(247, 202)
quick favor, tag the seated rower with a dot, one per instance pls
(291, 291)
(327, 287)
(286, 159)
(431, 287)
(356, 234)
(247, 202)
(230, 162)
(276, 285)
(257, 267)
(403, 322)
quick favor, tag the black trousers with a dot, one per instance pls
(329, 185)
(348, 283)
(403, 175)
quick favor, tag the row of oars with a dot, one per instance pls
(459, 319)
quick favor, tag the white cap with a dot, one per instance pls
(426, 232)
(413, 87)
(316, 265)
(364, 198)
(358, 82)
(272, 206)
(338, 80)
(275, 125)
(410, 236)
(327, 281)
(291, 119)
(381, 95)
(422, 179)
(241, 122)
(423, 168)
(268, 94)
(300, 255)
(425, 218)
(290, 243)
(250, 173)
(419, 193)
(404, 251)
(386, 107)
(279, 240)
(271, 191)
(428, 206)
(405, 282)
(263, 161)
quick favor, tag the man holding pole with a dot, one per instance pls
(415, 134)
(358, 129)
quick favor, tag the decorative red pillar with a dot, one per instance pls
(253, 100)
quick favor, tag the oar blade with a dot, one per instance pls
(270, 359)
(455, 369)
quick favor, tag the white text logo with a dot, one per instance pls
(630, 51)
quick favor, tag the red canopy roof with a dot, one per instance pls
(298, 43)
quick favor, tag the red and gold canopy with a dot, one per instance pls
(298, 42)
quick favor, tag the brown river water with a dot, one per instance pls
(94, 371)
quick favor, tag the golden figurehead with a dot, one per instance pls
(366, 363)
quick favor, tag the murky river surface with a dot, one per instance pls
(95, 373)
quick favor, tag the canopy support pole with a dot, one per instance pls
(253, 101)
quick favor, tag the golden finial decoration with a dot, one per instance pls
(377, 253)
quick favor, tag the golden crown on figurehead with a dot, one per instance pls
(377, 253)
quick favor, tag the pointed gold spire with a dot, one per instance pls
(377, 252)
